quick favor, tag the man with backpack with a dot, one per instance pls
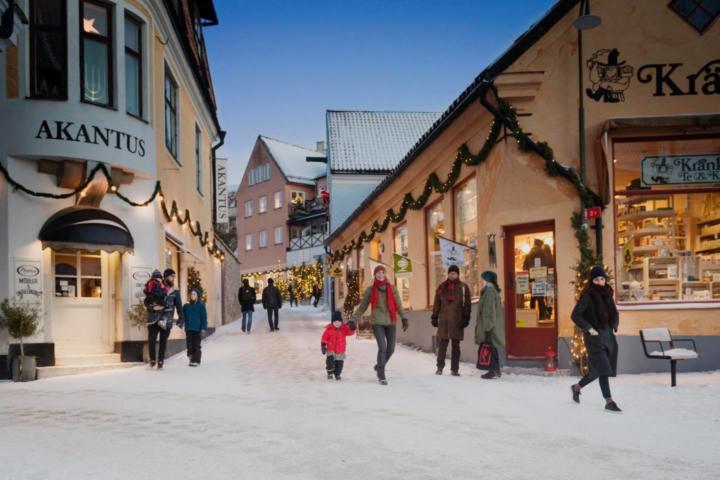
(247, 298)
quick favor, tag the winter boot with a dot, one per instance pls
(330, 375)
(151, 365)
(455, 373)
(438, 371)
(338, 368)
(575, 394)
(612, 408)
(491, 375)
(160, 365)
(194, 364)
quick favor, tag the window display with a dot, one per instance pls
(401, 248)
(435, 223)
(73, 269)
(466, 232)
(667, 232)
(535, 280)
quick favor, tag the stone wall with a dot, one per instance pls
(230, 284)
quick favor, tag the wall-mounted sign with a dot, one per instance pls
(402, 266)
(28, 280)
(91, 134)
(336, 272)
(593, 213)
(680, 169)
(138, 278)
(221, 198)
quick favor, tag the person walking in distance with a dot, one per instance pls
(333, 344)
(272, 302)
(316, 292)
(247, 298)
(195, 316)
(597, 316)
(292, 294)
(490, 327)
(386, 308)
(451, 315)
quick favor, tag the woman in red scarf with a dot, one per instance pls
(451, 315)
(384, 299)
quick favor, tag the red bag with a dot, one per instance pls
(485, 356)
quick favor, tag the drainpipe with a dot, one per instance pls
(214, 170)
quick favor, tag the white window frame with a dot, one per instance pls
(262, 204)
(248, 242)
(263, 239)
(248, 208)
(279, 235)
(277, 199)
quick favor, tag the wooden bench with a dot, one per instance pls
(662, 337)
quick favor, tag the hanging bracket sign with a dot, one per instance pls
(680, 169)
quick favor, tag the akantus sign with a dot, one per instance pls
(680, 169)
(90, 134)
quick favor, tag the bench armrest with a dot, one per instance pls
(647, 354)
(686, 340)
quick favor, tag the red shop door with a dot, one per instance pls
(530, 287)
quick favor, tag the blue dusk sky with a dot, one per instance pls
(278, 65)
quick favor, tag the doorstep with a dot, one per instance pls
(60, 371)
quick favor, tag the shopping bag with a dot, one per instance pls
(485, 356)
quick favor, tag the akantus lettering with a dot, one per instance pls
(92, 134)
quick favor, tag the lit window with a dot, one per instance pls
(297, 197)
(48, 49)
(401, 248)
(435, 222)
(277, 202)
(96, 46)
(133, 66)
(466, 232)
(248, 242)
(698, 13)
(262, 204)
(78, 274)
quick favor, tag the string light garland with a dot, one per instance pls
(171, 214)
(465, 157)
(305, 276)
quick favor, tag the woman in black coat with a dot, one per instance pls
(596, 314)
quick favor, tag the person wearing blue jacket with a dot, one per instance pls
(195, 316)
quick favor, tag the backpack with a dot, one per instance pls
(246, 295)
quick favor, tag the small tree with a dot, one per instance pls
(195, 282)
(22, 320)
(137, 315)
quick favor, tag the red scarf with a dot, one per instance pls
(390, 298)
(448, 288)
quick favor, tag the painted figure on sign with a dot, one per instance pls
(609, 77)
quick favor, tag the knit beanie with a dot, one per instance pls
(156, 274)
(337, 316)
(597, 272)
(454, 268)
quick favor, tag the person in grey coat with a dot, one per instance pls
(597, 316)
(490, 327)
(272, 302)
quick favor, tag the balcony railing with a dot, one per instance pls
(307, 207)
(308, 241)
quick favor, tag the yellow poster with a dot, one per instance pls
(538, 272)
(628, 254)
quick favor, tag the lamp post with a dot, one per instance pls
(585, 21)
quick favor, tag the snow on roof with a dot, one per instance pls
(292, 160)
(363, 141)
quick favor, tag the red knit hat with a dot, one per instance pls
(378, 268)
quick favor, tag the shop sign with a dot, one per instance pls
(90, 134)
(402, 266)
(522, 283)
(453, 253)
(336, 272)
(221, 199)
(138, 278)
(593, 213)
(680, 169)
(28, 280)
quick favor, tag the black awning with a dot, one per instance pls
(86, 228)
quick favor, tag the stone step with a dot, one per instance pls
(49, 372)
(82, 360)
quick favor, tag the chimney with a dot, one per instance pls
(320, 146)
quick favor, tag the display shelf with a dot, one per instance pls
(708, 221)
(644, 232)
(664, 213)
(635, 199)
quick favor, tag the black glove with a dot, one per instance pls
(488, 337)
(323, 348)
(434, 321)
(351, 325)
(405, 324)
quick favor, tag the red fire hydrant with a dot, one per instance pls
(550, 360)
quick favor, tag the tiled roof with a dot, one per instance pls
(361, 141)
(292, 161)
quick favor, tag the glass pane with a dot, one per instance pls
(65, 264)
(91, 287)
(48, 12)
(90, 266)
(132, 85)
(466, 231)
(49, 53)
(95, 19)
(436, 228)
(684, 7)
(132, 35)
(535, 280)
(97, 79)
(170, 139)
(712, 6)
(65, 286)
(700, 19)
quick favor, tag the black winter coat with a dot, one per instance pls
(247, 298)
(271, 297)
(602, 349)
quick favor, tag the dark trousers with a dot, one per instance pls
(273, 312)
(454, 354)
(385, 337)
(334, 367)
(315, 301)
(603, 380)
(247, 321)
(194, 350)
(293, 300)
(153, 332)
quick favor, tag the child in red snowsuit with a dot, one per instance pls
(333, 344)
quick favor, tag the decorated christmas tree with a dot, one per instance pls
(352, 299)
(195, 283)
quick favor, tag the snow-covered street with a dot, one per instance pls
(260, 407)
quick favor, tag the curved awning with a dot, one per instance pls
(86, 228)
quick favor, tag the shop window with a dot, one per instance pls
(171, 126)
(435, 227)
(198, 160)
(262, 204)
(466, 232)
(96, 47)
(133, 66)
(667, 198)
(172, 259)
(400, 243)
(48, 49)
(77, 274)
(262, 243)
(248, 208)
(535, 280)
(278, 235)
(277, 200)
(698, 13)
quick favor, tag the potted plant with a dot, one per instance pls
(137, 315)
(22, 320)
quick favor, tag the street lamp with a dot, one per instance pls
(586, 21)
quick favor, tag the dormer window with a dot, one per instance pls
(700, 14)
